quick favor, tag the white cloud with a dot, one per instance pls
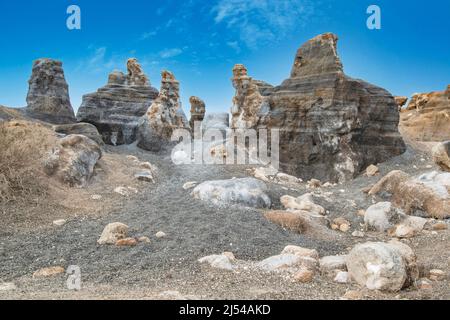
(148, 35)
(170, 53)
(234, 45)
(262, 21)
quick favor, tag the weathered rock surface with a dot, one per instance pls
(382, 266)
(116, 108)
(248, 192)
(85, 129)
(112, 233)
(441, 155)
(427, 117)
(164, 116)
(427, 194)
(73, 159)
(198, 110)
(218, 261)
(331, 126)
(48, 93)
(400, 101)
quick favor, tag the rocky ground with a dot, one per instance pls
(167, 267)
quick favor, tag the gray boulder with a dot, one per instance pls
(247, 192)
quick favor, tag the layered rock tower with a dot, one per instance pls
(116, 108)
(48, 93)
(331, 126)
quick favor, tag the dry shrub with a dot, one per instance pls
(22, 146)
(288, 220)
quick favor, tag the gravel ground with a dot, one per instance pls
(167, 268)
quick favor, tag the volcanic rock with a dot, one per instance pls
(73, 159)
(198, 111)
(164, 116)
(428, 194)
(48, 93)
(85, 129)
(331, 126)
(382, 266)
(427, 117)
(441, 155)
(248, 192)
(116, 108)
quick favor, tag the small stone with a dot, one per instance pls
(303, 252)
(145, 176)
(403, 231)
(127, 242)
(160, 235)
(189, 185)
(144, 239)
(437, 275)
(440, 226)
(112, 233)
(7, 286)
(59, 222)
(424, 284)
(217, 261)
(122, 191)
(147, 165)
(372, 170)
(48, 272)
(358, 234)
(331, 263)
(341, 277)
(304, 275)
(132, 158)
(96, 197)
(344, 227)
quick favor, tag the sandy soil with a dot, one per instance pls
(167, 268)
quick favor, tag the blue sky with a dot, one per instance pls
(200, 41)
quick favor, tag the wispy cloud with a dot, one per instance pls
(262, 21)
(148, 35)
(170, 53)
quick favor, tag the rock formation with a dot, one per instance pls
(116, 108)
(441, 155)
(48, 93)
(400, 101)
(198, 111)
(427, 117)
(85, 129)
(331, 126)
(163, 117)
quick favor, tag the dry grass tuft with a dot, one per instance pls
(22, 146)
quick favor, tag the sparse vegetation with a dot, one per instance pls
(21, 148)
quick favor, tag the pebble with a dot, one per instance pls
(304, 275)
(59, 222)
(160, 235)
(48, 272)
(342, 277)
(127, 242)
(7, 286)
(96, 197)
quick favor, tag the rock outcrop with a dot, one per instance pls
(441, 155)
(400, 101)
(331, 126)
(48, 93)
(116, 108)
(163, 117)
(198, 111)
(73, 159)
(427, 117)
